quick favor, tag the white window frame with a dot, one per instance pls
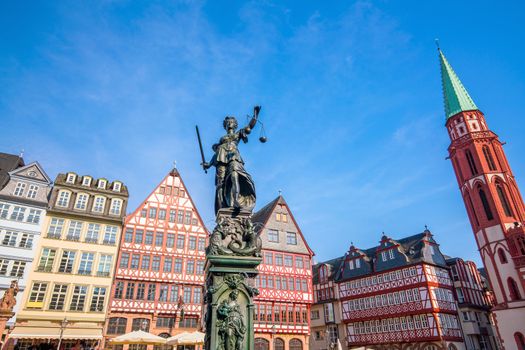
(63, 198)
(117, 186)
(70, 178)
(97, 206)
(116, 206)
(102, 184)
(81, 202)
(20, 189)
(86, 181)
(32, 191)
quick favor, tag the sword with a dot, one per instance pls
(200, 147)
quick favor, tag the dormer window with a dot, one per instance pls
(70, 179)
(86, 181)
(323, 274)
(391, 254)
(117, 186)
(102, 184)
(357, 263)
(432, 250)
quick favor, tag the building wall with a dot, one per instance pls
(75, 262)
(23, 203)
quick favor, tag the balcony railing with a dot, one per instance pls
(73, 238)
(103, 273)
(84, 272)
(91, 240)
(108, 242)
(54, 235)
(44, 268)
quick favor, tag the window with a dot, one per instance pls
(33, 190)
(503, 200)
(168, 262)
(202, 244)
(46, 260)
(178, 265)
(383, 256)
(66, 262)
(73, 233)
(174, 293)
(273, 236)
(135, 258)
(34, 216)
(162, 214)
(187, 295)
(197, 295)
(262, 344)
(278, 259)
(200, 267)
(78, 299)
(38, 293)
(58, 297)
(116, 205)
(149, 238)
(151, 292)
(110, 235)
(86, 181)
(119, 290)
(471, 163)
(117, 325)
(296, 344)
(486, 206)
(140, 324)
(159, 239)
(291, 238)
(20, 188)
(86, 264)
(81, 203)
(98, 205)
(155, 265)
(97, 300)
(104, 265)
(26, 241)
(10, 238)
(192, 243)
(4, 209)
(488, 158)
(278, 344)
(63, 198)
(152, 213)
(145, 262)
(268, 258)
(180, 242)
(163, 293)
(173, 214)
(141, 287)
(117, 186)
(143, 213)
(391, 254)
(138, 236)
(101, 184)
(165, 322)
(18, 213)
(520, 340)
(92, 233)
(502, 256)
(180, 216)
(18, 269)
(128, 236)
(288, 261)
(514, 292)
(187, 218)
(70, 178)
(190, 267)
(130, 290)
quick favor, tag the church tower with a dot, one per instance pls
(493, 202)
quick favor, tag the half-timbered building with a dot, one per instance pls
(282, 319)
(159, 279)
(474, 305)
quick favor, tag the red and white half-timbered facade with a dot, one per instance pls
(159, 280)
(284, 281)
(494, 204)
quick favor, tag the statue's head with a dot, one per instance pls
(230, 123)
(234, 294)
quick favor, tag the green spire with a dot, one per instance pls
(456, 96)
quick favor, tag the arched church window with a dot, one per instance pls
(471, 163)
(502, 256)
(262, 344)
(503, 199)
(278, 344)
(295, 344)
(472, 210)
(488, 158)
(514, 292)
(485, 202)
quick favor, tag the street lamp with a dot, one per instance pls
(274, 330)
(63, 325)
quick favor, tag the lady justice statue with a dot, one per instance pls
(234, 186)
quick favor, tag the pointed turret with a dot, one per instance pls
(456, 96)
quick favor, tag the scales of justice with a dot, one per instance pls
(234, 249)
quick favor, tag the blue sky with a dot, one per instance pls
(350, 91)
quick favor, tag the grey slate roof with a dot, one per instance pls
(8, 162)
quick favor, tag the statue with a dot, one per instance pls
(8, 301)
(230, 323)
(234, 237)
(234, 186)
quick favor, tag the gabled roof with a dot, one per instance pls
(8, 162)
(262, 216)
(21, 172)
(455, 95)
(333, 267)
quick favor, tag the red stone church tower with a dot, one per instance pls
(493, 202)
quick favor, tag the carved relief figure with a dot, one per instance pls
(230, 324)
(8, 301)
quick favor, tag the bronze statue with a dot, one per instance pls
(230, 323)
(234, 186)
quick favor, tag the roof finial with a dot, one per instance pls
(21, 153)
(174, 164)
(426, 227)
(280, 192)
(436, 40)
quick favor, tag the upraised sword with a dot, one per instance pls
(200, 147)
